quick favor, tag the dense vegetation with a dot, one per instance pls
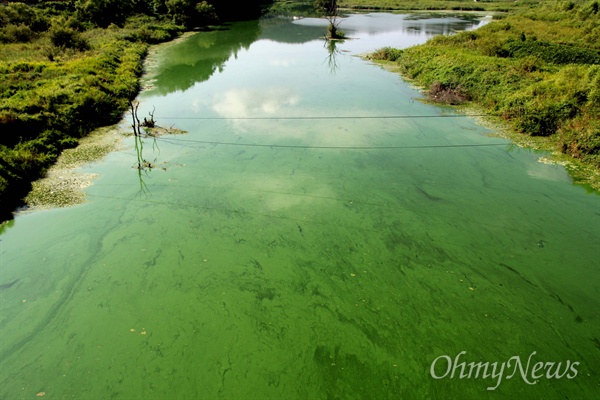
(439, 5)
(68, 67)
(537, 69)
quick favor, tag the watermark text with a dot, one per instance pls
(446, 367)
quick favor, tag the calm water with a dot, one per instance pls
(317, 234)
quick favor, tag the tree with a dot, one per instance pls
(103, 12)
(329, 10)
(191, 13)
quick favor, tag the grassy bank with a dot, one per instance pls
(440, 5)
(536, 71)
(70, 66)
(62, 78)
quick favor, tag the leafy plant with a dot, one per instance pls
(386, 54)
(12, 33)
(67, 38)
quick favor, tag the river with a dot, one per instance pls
(318, 233)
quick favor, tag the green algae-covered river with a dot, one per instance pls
(318, 233)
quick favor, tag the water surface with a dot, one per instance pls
(318, 233)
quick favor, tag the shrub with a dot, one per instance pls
(16, 33)
(545, 119)
(191, 13)
(552, 52)
(386, 54)
(67, 38)
(206, 13)
(180, 11)
(19, 13)
(154, 33)
(103, 12)
(75, 24)
(589, 10)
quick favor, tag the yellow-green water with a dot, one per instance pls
(317, 234)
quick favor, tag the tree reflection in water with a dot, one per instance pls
(141, 130)
(331, 46)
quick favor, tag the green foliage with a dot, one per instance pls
(386, 54)
(45, 106)
(19, 13)
(453, 5)
(12, 33)
(538, 71)
(207, 13)
(565, 5)
(68, 38)
(327, 8)
(52, 92)
(103, 12)
(554, 53)
(180, 11)
(191, 13)
(154, 33)
(589, 10)
(20, 23)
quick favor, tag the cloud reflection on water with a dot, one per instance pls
(254, 102)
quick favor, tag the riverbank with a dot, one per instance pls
(534, 74)
(63, 186)
(438, 5)
(61, 83)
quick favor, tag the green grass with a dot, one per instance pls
(439, 5)
(537, 71)
(60, 84)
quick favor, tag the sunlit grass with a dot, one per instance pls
(537, 71)
(50, 96)
(450, 5)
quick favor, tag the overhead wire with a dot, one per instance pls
(326, 117)
(299, 146)
(184, 142)
(331, 117)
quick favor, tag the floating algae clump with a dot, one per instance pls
(63, 186)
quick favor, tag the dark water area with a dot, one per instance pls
(318, 233)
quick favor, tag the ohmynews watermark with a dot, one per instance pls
(531, 372)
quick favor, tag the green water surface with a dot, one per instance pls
(318, 234)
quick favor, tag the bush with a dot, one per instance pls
(154, 33)
(541, 87)
(544, 119)
(589, 10)
(68, 38)
(191, 13)
(386, 54)
(75, 24)
(21, 14)
(16, 34)
(103, 12)
(552, 52)
(206, 14)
